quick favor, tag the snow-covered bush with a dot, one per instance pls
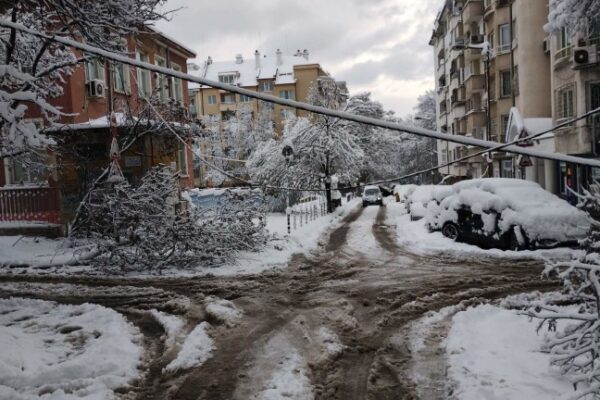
(578, 16)
(575, 343)
(148, 227)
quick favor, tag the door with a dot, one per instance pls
(594, 103)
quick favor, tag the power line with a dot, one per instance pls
(304, 106)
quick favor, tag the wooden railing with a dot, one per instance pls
(40, 204)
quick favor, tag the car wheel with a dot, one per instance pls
(364, 204)
(451, 231)
(517, 240)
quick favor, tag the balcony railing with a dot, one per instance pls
(39, 204)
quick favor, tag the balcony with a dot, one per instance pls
(458, 97)
(458, 43)
(475, 83)
(473, 11)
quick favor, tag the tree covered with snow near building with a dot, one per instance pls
(32, 71)
(574, 340)
(577, 16)
(322, 146)
(147, 227)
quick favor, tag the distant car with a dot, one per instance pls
(508, 214)
(372, 195)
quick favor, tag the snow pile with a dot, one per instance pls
(494, 354)
(172, 325)
(223, 311)
(422, 197)
(289, 381)
(64, 352)
(197, 348)
(330, 342)
(514, 202)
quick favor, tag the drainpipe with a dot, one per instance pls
(512, 53)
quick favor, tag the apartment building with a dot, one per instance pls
(477, 89)
(287, 77)
(84, 133)
(575, 71)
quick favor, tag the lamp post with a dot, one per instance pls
(288, 154)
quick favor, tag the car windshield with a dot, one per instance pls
(371, 192)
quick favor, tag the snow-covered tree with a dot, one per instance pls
(578, 16)
(32, 71)
(575, 343)
(322, 146)
(145, 228)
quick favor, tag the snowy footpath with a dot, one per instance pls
(490, 352)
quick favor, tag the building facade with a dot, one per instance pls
(95, 88)
(477, 87)
(575, 69)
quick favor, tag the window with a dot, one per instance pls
(161, 80)
(504, 38)
(506, 84)
(504, 124)
(563, 39)
(245, 99)
(213, 117)
(507, 169)
(516, 80)
(212, 99)
(182, 158)
(286, 94)
(286, 114)
(228, 78)
(565, 101)
(177, 85)
(267, 86)
(228, 98)
(94, 69)
(122, 83)
(143, 77)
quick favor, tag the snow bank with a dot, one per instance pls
(65, 352)
(542, 215)
(223, 311)
(494, 354)
(172, 325)
(197, 348)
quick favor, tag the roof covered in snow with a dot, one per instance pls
(249, 71)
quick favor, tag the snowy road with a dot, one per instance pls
(334, 325)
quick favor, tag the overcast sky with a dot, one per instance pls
(380, 46)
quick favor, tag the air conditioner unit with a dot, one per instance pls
(546, 45)
(585, 56)
(95, 88)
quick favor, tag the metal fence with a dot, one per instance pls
(39, 204)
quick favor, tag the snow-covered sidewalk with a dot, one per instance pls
(52, 351)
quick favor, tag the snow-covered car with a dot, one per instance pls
(371, 195)
(509, 214)
(421, 197)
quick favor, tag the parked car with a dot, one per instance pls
(372, 195)
(508, 214)
(420, 198)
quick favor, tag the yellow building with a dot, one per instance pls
(287, 77)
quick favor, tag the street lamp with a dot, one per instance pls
(288, 154)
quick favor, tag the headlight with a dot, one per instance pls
(379, 198)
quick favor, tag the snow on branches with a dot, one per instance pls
(33, 71)
(575, 343)
(578, 16)
(147, 228)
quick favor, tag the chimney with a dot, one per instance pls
(209, 61)
(279, 57)
(257, 58)
(239, 59)
(298, 53)
(305, 54)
